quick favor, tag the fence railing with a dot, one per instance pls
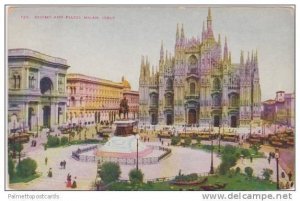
(79, 156)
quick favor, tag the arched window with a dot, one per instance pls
(81, 101)
(169, 100)
(192, 64)
(31, 80)
(192, 88)
(216, 100)
(46, 85)
(216, 84)
(73, 102)
(169, 84)
(234, 100)
(153, 99)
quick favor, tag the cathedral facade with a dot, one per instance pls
(199, 85)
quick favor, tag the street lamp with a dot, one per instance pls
(219, 139)
(212, 161)
(137, 152)
(98, 182)
(277, 167)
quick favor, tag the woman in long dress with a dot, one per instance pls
(69, 183)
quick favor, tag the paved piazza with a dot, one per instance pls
(185, 159)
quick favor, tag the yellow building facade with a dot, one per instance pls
(92, 100)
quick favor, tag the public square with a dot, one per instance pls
(183, 159)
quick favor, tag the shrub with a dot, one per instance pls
(245, 152)
(187, 141)
(110, 172)
(230, 159)
(198, 139)
(187, 178)
(256, 147)
(229, 149)
(231, 173)
(223, 168)
(136, 176)
(249, 171)
(53, 141)
(175, 140)
(11, 168)
(237, 170)
(26, 167)
(64, 140)
(267, 173)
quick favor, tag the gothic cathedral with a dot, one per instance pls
(200, 86)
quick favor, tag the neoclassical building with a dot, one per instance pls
(94, 100)
(36, 89)
(199, 84)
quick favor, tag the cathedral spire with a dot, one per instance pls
(203, 31)
(255, 58)
(209, 19)
(142, 70)
(242, 58)
(219, 40)
(161, 52)
(177, 33)
(225, 50)
(248, 58)
(182, 33)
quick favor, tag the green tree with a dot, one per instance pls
(175, 140)
(11, 168)
(18, 147)
(136, 176)
(198, 139)
(64, 140)
(110, 172)
(229, 158)
(53, 141)
(187, 141)
(224, 168)
(26, 167)
(237, 170)
(245, 152)
(249, 171)
(267, 173)
(256, 147)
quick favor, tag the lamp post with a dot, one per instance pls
(98, 182)
(219, 139)
(277, 167)
(37, 125)
(79, 130)
(137, 153)
(14, 142)
(212, 161)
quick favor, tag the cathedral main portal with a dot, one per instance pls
(192, 116)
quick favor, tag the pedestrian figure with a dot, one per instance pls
(269, 159)
(290, 176)
(251, 159)
(61, 164)
(64, 163)
(50, 172)
(287, 185)
(162, 142)
(46, 160)
(74, 185)
(148, 139)
(69, 178)
(282, 175)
